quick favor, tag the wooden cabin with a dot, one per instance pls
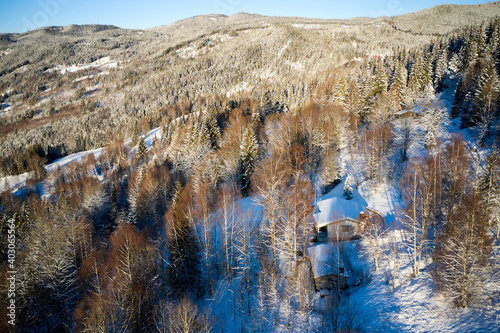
(327, 267)
(337, 219)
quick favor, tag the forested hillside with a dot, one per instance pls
(201, 150)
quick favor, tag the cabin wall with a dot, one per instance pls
(330, 282)
(343, 230)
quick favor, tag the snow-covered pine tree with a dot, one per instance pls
(135, 134)
(142, 148)
(495, 44)
(471, 52)
(49, 272)
(435, 122)
(375, 86)
(480, 39)
(348, 191)
(486, 101)
(184, 250)
(461, 102)
(415, 79)
(379, 84)
(427, 72)
(398, 86)
(25, 213)
(430, 139)
(352, 100)
(455, 63)
(177, 195)
(339, 94)
(266, 104)
(213, 130)
(421, 73)
(248, 158)
(283, 101)
(489, 188)
(134, 189)
(167, 131)
(202, 133)
(193, 132)
(440, 70)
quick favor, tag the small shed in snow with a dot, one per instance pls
(404, 114)
(327, 267)
(338, 219)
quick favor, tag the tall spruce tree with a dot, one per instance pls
(339, 95)
(184, 256)
(142, 148)
(398, 86)
(213, 130)
(440, 70)
(248, 158)
(489, 188)
(486, 101)
(415, 80)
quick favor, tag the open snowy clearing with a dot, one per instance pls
(16, 183)
(103, 63)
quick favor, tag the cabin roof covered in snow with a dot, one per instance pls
(324, 259)
(335, 209)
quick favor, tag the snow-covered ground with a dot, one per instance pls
(22, 69)
(306, 26)
(103, 63)
(5, 52)
(415, 305)
(6, 108)
(383, 198)
(62, 162)
(87, 77)
(13, 182)
(242, 87)
(187, 52)
(16, 183)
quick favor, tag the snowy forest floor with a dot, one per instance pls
(415, 305)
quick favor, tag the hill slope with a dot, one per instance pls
(446, 18)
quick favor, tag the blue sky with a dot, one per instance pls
(23, 15)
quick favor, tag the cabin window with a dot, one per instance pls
(347, 228)
(322, 233)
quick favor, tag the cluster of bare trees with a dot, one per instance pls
(448, 218)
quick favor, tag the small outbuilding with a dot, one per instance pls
(405, 114)
(327, 267)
